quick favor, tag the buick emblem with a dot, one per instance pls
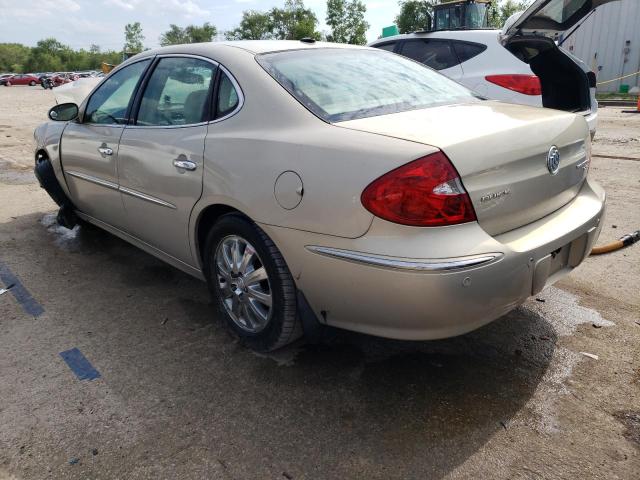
(553, 160)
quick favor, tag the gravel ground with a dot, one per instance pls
(179, 398)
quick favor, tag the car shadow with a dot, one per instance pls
(352, 406)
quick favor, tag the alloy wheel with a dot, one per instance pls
(243, 284)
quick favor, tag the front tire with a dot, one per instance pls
(32, 83)
(251, 284)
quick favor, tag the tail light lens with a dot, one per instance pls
(526, 84)
(424, 193)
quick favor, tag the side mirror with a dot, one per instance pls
(64, 112)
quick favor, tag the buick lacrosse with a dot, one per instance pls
(315, 184)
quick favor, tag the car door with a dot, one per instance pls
(435, 53)
(160, 160)
(89, 147)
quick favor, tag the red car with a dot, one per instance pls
(21, 79)
(62, 78)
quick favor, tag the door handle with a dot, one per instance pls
(185, 164)
(104, 150)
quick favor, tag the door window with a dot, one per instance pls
(177, 92)
(228, 99)
(109, 104)
(436, 54)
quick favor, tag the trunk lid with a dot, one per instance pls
(550, 17)
(500, 151)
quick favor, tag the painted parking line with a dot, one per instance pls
(79, 364)
(21, 294)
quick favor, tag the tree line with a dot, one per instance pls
(49, 55)
(294, 21)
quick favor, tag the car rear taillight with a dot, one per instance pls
(424, 193)
(526, 84)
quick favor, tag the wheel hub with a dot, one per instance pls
(243, 284)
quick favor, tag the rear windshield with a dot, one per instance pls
(346, 84)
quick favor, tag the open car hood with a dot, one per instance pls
(550, 17)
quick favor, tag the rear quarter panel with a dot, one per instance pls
(335, 165)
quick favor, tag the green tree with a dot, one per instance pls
(346, 19)
(205, 33)
(174, 36)
(253, 26)
(498, 14)
(13, 57)
(414, 15)
(294, 21)
(190, 34)
(133, 38)
(49, 55)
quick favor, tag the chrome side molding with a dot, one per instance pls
(435, 265)
(115, 186)
(148, 198)
(92, 179)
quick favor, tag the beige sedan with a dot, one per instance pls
(319, 184)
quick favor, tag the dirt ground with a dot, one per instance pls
(178, 397)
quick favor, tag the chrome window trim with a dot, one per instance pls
(92, 179)
(239, 91)
(435, 265)
(148, 198)
(164, 127)
(189, 125)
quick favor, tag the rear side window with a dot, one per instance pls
(389, 47)
(437, 54)
(177, 92)
(467, 50)
(345, 84)
(228, 99)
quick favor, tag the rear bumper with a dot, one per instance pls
(417, 284)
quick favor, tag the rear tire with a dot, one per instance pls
(32, 83)
(251, 284)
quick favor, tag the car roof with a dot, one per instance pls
(479, 35)
(252, 46)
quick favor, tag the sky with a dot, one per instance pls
(80, 23)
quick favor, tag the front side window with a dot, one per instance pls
(436, 54)
(109, 104)
(177, 92)
(345, 84)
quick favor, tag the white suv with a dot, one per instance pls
(520, 64)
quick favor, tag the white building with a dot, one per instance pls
(609, 41)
